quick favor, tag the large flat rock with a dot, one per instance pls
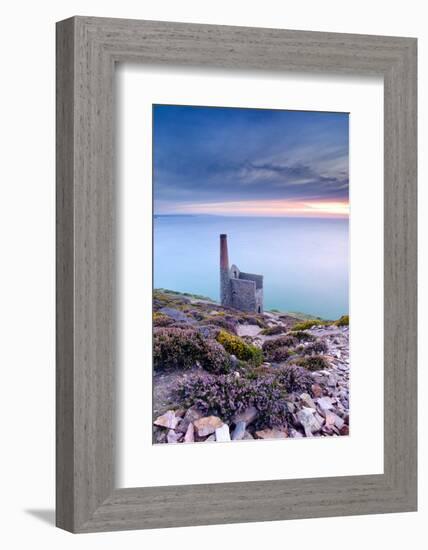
(248, 330)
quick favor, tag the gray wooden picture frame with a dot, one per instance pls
(87, 50)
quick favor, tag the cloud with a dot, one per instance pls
(209, 155)
(268, 171)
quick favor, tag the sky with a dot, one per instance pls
(250, 162)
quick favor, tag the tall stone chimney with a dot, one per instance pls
(224, 256)
(225, 285)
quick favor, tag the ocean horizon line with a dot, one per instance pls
(200, 215)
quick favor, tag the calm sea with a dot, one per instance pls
(304, 261)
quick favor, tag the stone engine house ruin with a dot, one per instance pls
(239, 290)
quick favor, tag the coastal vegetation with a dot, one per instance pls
(309, 323)
(222, 374)
(183, 348)
(272, 331)
(239, 348)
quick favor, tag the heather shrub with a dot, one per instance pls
(270, 347)
(273, 331)
(222, 322)
(301, 335)
(248, 319)
(294, 378)
(313, 362)
(318, 346)
(251, 373)
(227, 395)
(198, 315)
(183, 306)
(300, 349)
(343, 321)
(214, 358)
(182, 348)
(175, 347)
(261, 370)
(278, 355)
(241, 349)
(162, 298)
(304, 325)
(161, 320)
(208, 331)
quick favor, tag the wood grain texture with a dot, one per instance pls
(87, 50)
(64, 276)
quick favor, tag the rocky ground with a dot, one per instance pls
(221, 374)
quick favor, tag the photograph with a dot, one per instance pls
(251, 274)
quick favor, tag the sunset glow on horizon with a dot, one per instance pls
(267, 208)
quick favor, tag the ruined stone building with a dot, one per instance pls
(239, 290)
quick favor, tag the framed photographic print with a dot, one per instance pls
(236, 274)
(228, 356)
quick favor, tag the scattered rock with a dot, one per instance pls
(316, 390)
(175, 314)
(273, 433)
(247, 416)
(208, 331)
(332, 380)
(239, 431)
(182, 426)
(173, 437)
(344, 430)
(338, 422)
(234, 361)
(295, 434)
(291, 406)
(308, 421)
(307, 400)
(222, 433)
(190, 434)
(248, 330)
(190, 416)
(159, 435)
(329, 419)
(207, 425)
(167, 420)
(325, 403)
(193, 414)
(319, 418)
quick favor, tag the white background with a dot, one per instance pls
(27, 273)
(360, 453)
